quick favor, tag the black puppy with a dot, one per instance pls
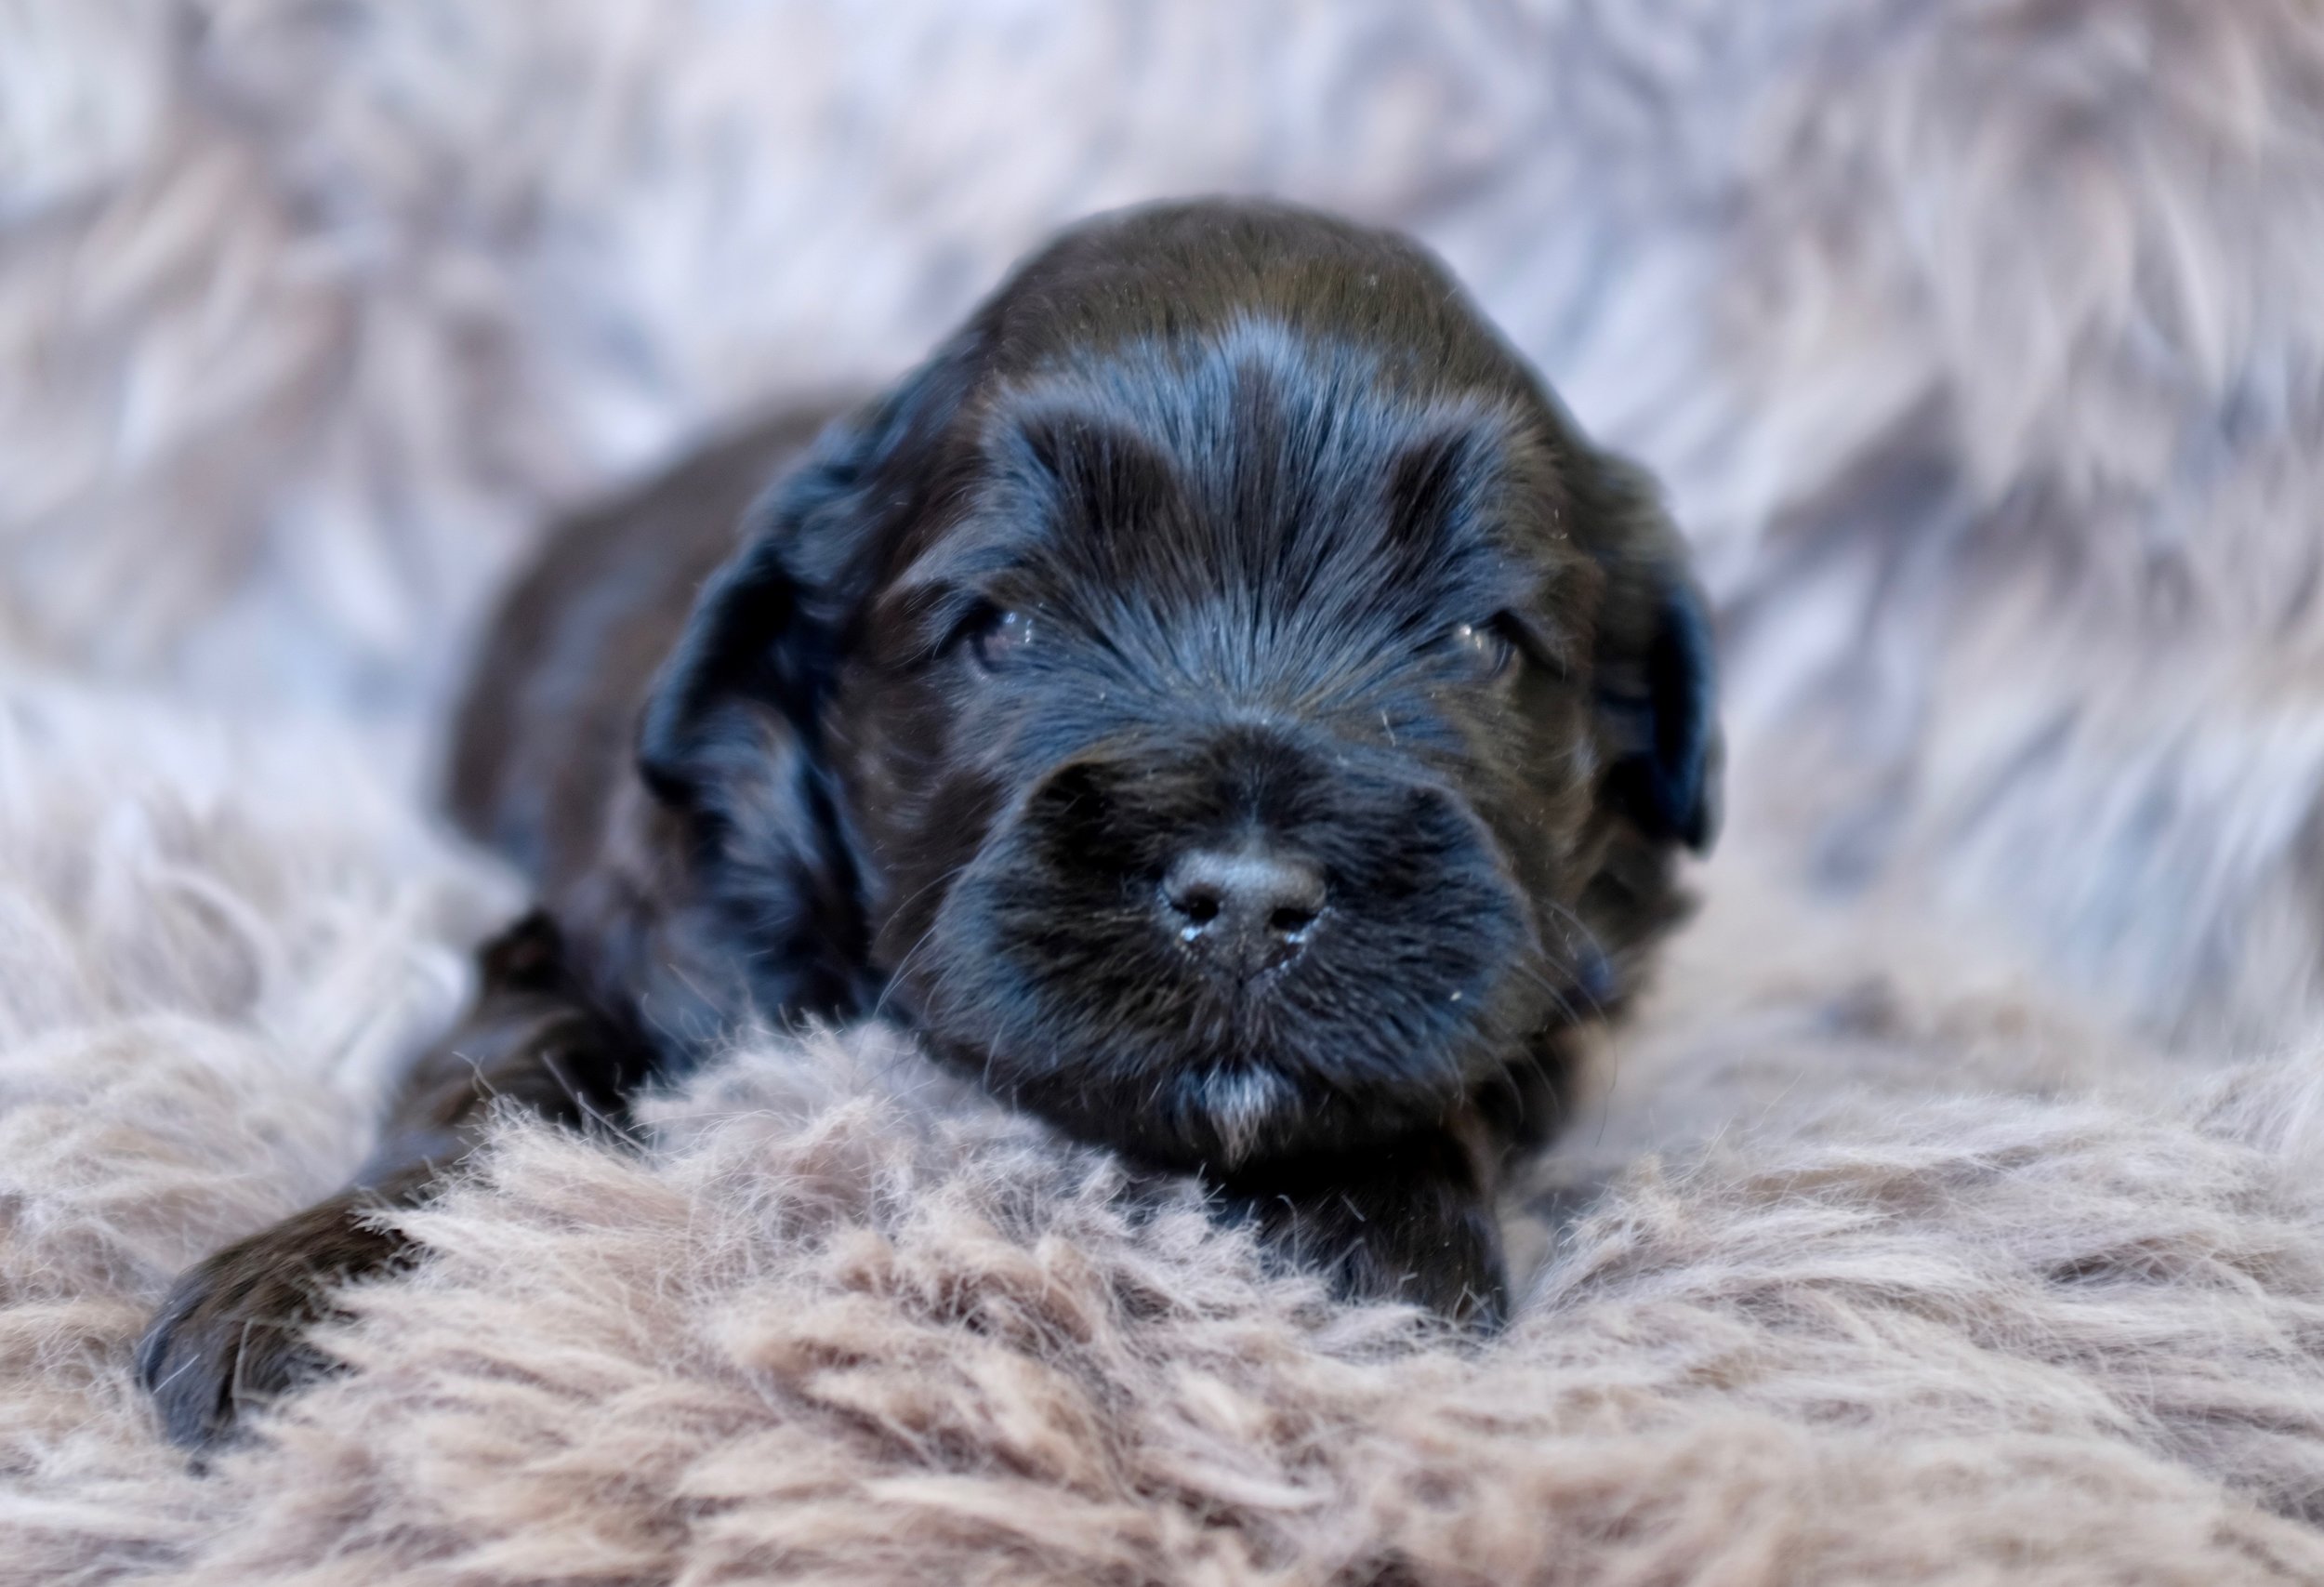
(1219, 700)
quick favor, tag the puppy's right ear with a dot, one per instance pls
(771, 627)
(731, 740)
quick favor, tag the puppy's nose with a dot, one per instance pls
(1246, 910)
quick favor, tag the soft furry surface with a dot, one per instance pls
(1955, 1213)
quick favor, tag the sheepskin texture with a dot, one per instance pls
(1953, 1212)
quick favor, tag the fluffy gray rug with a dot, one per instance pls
(1954, 1215)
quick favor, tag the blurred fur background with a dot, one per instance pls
(1953, 1216)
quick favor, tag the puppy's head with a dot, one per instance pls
(1231, 707)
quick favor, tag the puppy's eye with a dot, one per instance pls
(999, 638)
(1484, 646)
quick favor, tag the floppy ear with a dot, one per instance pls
(754, 655)
(731, 740)
(768, 631)
(1677, 776)
(1658, 672)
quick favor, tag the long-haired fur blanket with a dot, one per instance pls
(1955, 1211)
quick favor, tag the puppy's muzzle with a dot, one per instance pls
(1212, 944)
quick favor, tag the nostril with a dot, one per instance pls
(1198, 905)
(1290, 919)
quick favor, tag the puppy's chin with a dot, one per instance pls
(1192, 1108)
(1245, 1110)
(1046, 975)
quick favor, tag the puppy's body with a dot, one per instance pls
(1219, 700)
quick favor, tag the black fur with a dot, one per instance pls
(1245, 473)
(1221, 531)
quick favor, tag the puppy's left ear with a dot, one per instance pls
(1657, 667)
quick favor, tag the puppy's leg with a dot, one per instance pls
(231, 1334)
(1411, 1221)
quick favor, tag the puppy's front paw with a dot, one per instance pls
(231, 1334)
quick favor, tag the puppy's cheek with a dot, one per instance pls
(1431, 926)
(1042, 971)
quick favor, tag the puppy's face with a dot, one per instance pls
(1223, 767)
(1225, 736)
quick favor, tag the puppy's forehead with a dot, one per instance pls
(1273, 473)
